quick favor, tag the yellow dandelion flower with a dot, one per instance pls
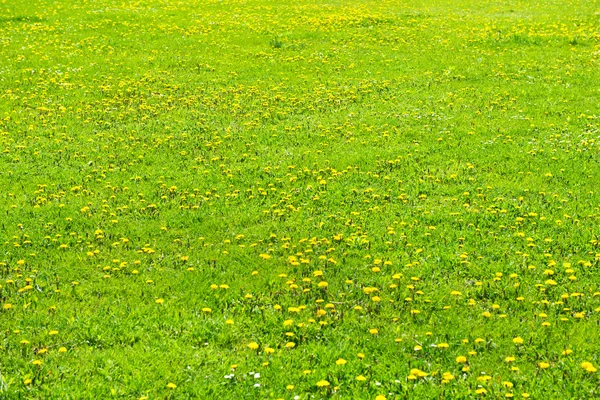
(518, 340)
(447, 376)
(588, 366)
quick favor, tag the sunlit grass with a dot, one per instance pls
(369, 199)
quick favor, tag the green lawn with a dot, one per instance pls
(299, 199)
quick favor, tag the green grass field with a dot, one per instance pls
(264, 199)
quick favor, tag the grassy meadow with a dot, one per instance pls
(256, 199)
